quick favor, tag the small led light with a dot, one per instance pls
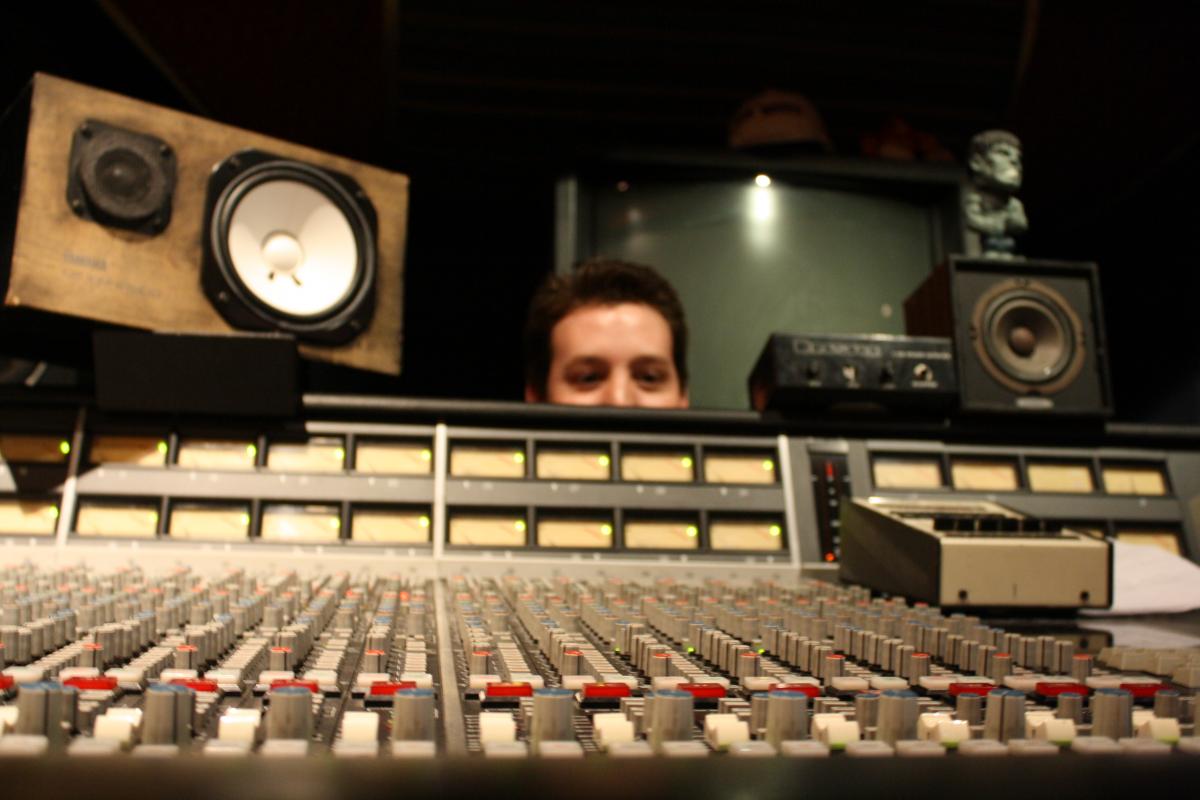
(154, 516)
(768, 465)
(829, 557)
(762, 650)
(762, 180)
(426, 455)
(776, 530)
(686, 462)
(519, 457)
(606, 530)
(519, 524)
(423, 522)
(53, 512)
(693, 531)
(690, 649)
(245, 519)
(604, 461)
(340, 453)
(64, 447)
(251, 450)
(162, 448)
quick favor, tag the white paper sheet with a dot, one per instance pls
(1149, 580)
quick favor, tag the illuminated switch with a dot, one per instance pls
(658, 467)
(574, 465)
(393, 458)
(487, 461)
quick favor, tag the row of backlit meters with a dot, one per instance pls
(324, 524)
(1002, 474)
(493, 460)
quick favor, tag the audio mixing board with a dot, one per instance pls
(617, 592)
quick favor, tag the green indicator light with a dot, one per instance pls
(162, 448)
(762, 650)
(776, 530)
(519, 524)
(606, 530)
(691, 649)
(616, 649)
(686, 462)
(245, 519)
(693, 531)
(154, 516)
(427, 455)
(340, 453)
(64, 447)
(768, 465)
(423, 522)
(604, 461)
(251, 451)
(53, 512)
(519, 457)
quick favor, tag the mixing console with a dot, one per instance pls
(244, 665)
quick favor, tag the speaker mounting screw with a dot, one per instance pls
(223, 297)
(164, 151)
(157, 222)
(85, 130)
(76, 204)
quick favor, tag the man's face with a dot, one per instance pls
(1003, 166)
(612, 355)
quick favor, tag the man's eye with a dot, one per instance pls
(586, 378)
(653, 378)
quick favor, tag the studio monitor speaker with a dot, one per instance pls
(128, 213)
(1028, 335)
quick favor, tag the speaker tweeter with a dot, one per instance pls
(120, 178)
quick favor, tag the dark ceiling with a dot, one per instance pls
(484, 103)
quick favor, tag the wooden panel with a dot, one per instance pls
(976, 475)
(1147, 480)
(661, 535)
(125, 521)
(731, 468)
(574, 465)
(393, 458)
(1068, 478)
(143, 451)
(468, 461)
(745, 535)
(663, 467)
(68, 265)
(28, 517)
(283, 523)
(210, 523)
(488, 531)
(574, 533)
(389, 527)
(907, 473)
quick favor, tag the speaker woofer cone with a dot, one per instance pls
(289, 246)
(1027, 337)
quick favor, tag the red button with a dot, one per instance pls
(6, 682)
(1055, 688)
(970, 688)
(802, 688)
(391, 687)
(197, 685)
(92, 684)
(508, 690)
(1142, 691)
(312, 686)
(703, 691)
(595, 691)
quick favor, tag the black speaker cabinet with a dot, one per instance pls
(122, 212)
(1028, 334)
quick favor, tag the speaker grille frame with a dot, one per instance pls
(87, 147)
(241, 307)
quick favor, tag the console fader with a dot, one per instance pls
(242, 665)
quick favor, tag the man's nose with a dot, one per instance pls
(619, 391)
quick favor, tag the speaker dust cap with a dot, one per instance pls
(120, 178)
(289, 246)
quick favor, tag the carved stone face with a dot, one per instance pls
(999, 167)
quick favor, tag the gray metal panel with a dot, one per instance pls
(802, 493)
(1184, 474)
(1060, 506)
(580, 494)
(183, 483)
